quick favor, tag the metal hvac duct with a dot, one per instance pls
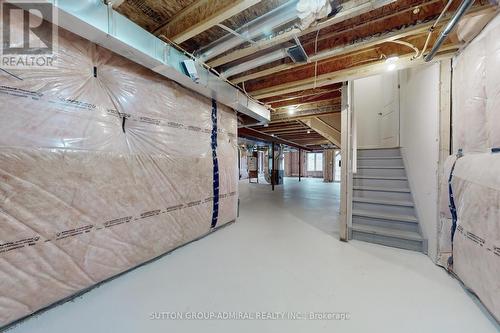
(462, 9)
(256, 62)
(266, 23)
(99, 23)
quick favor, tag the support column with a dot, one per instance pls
(300, 162)
(346, 168)
(272, 166)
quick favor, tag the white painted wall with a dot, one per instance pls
(419, 104)
(376, 111)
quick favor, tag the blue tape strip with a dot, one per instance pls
(215, 211)
(452, 206)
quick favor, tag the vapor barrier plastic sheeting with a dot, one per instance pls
(476, 177)
(104, 165)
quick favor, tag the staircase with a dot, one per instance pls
(383, 211)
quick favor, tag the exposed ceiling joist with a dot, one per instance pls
(182, 28)
(303, 94)
(327, 131)
(252, 133)
(328, 110)
(351, 73)
(363, 44)
(304, 105)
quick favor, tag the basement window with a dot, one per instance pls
(314, 161)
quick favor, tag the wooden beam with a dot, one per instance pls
(303, 94)
(372, 68)
(366, 43)
(181, 28)
(308, 106)
(327, 110)
(251, 133)
(304, 101)
(324, 129)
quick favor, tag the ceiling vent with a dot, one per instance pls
(297, 52)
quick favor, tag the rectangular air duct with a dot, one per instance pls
(95, 21)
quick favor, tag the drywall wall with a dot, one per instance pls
(419, 95)
(104, 165)
(376, 108)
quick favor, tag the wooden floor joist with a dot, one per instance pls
(375, 67)
(182, 28)
(417, 29)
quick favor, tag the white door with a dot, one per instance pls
(389, 114)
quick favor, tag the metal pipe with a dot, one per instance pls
(462, 9)
(254, 63)
(277, 17)
(300, 162)
(272, 166)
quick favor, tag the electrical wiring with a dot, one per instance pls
(432, 28)
(401, 42)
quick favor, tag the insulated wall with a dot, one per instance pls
(104, 165)
(475, 177)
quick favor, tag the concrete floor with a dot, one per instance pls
(281, 256)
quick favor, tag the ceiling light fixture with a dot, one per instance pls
(308, 132)
(391, 62)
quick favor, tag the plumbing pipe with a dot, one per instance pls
(462, 9)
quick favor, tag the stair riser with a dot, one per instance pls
(381, 172)
(393, 225)
(388, 241)
(383, 195)
(384, 209)
(386, 183)
(381, 162)
(379, 152)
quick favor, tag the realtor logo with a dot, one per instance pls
(28, 37)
